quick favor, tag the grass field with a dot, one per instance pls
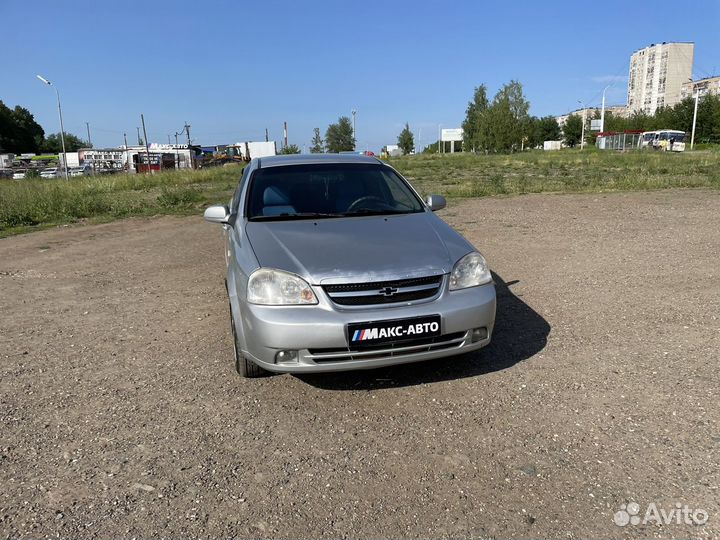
(466, 175)
(33, 204)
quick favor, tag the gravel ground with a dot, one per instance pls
(121, 414)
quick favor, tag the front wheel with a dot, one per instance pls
(243, 366)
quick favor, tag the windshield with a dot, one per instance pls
(329, 191)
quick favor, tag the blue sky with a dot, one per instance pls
(231, 69)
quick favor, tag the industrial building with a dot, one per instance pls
(657, 74)
(135, 158)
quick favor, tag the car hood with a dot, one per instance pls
(358, 249)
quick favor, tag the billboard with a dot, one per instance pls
(453, 134)
(595, 125)
(73, 159)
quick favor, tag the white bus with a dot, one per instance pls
(668, 140)
(647, 138)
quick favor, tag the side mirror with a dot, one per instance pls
(217, 214)
(436, 202)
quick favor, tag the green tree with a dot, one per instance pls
(572, 130)
(30, 134)
(431, 148)
(406, 141)
(7, 129)
(546, 129)
(637, 121)
(474, 118)
(513, 93)
(518, 124)
(290, 149)
(708, 120)
(19, 132)
(339, 136)
(317, 142)
(73, 143)
(532, 140)
(506, 123)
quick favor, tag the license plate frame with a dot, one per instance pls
(387, 331)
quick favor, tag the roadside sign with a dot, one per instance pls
(454, 134)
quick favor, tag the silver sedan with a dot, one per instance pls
(334, 262)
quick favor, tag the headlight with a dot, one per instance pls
(470, 271)
(277, 288)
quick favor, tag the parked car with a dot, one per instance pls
(334, 262)
(50, 172)
(19, 175)
(80, 171)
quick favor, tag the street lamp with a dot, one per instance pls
(697, 98)
(582, 135)
(62, 128)
(354, 112)
(602, 111)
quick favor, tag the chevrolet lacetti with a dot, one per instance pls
(334, 262)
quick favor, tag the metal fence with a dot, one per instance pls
(619, 141)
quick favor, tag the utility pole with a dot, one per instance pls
(192, 160)
(285, 135)
(582, 136)
(439, 137)
(87, 125)
(177, 155)
(692, 136)
(147, 147)
(127, 154)
(266, 135)
(139, 140)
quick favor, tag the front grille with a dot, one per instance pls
(385, 350)
(384, 292)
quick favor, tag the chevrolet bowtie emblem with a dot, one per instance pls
(388, 291)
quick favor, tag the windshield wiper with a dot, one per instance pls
(298, 215)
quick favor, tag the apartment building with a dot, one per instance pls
(657, 74)
(708, 85)
(590, 113)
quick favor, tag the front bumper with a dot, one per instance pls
(319, 335)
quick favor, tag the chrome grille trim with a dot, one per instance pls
(385, 292)
(448, 341)
(374, 292)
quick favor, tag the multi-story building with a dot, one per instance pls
(709, 85)
(657, 74)
(591, 112)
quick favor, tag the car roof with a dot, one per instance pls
(310, 159)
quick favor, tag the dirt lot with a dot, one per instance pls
(121, 415)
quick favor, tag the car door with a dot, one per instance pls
(228, 231)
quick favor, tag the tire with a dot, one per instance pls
(243, 366)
